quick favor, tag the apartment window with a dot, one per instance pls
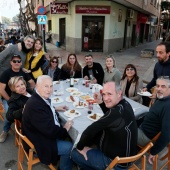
(155, 3)
(151, 1)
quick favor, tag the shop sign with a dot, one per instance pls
(142, 18)
(90, 9)
(58, 8)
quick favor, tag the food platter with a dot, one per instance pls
(146, 93)
(68, 99)
(71, 89)
(95, 116)
(76, 93)
(72, 113)
(57, 100)
(98, 86)
(56, 82)
(85, 97)
(80, 105)
(91, 100)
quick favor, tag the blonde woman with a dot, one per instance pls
(35, 59)
(111, 73)
(19, 97)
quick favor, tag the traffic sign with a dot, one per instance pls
(42, 19)
(41, 10)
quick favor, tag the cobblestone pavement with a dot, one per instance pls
(8, 151)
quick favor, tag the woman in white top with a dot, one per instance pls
(111, 73)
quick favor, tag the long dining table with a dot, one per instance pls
(81, 122)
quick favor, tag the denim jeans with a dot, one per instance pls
(64, 149)
(7, 124)
(96, 160)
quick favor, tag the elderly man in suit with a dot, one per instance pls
(41, 125)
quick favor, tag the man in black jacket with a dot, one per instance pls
(93, 71)
(41, 125)
(116, 133)
(157, 120)
(162, 67)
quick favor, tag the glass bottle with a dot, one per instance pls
(71, 79)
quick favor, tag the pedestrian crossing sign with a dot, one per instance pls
(42, 19)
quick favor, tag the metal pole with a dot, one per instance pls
(43, 37)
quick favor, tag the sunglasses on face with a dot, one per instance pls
(16, 61)
(54, 61)
(130, 69)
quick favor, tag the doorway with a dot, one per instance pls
(141, 34)
(62, 31)
(92, 33)
(133, 40)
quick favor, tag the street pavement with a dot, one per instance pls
(8, 151)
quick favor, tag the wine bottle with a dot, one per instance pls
(71, 79)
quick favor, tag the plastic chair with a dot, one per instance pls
(141, 155)
(31, 159)
(166, 156)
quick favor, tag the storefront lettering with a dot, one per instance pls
(93, 9)
(58, 8)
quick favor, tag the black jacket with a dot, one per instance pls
(57, 73)
(39, 127)
(119, 132)
(16, 104)
(98, 72)
(160, 69)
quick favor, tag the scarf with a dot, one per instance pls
(24, 49)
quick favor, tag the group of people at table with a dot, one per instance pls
(116, 133)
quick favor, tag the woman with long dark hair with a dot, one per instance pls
(131, 83)
(71, 68)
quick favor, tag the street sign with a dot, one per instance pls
(41, 10)
(42, 19)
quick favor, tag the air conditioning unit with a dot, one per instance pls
(130, 13)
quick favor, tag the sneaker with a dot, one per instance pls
(3, 136)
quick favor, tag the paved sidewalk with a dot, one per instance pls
(132, 55)
(8, 151)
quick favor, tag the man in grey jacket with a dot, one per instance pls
(20, 49)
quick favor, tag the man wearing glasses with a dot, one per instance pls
(20, 49)
(157, 120)
(5, 91)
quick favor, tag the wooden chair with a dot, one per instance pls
(2, 111)
(166, 156)
(31, 159)
(141, 154)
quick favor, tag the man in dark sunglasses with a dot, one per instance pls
(5, 92)
(20, 49)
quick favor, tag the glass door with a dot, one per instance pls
(92, 33)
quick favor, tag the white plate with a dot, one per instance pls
(98, 116)
(92, 100)
(56, 82)
(75, 80)
(69, 114)
(146, 93)
(85, 97)
(71, 89)
(69, 100)
(76, 93)
(57, 100)
(80, 105)
(97, 86)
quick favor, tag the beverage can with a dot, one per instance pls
(87, 84)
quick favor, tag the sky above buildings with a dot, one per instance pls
(9, 8)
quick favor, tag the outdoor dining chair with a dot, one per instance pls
(31, 159)
(163, 158)
(132, 159)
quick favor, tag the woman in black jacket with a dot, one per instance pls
(52, 69)
(71, 68)
(19, 97)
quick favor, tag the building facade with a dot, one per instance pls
(104, 25)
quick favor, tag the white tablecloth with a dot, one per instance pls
(81, 122)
